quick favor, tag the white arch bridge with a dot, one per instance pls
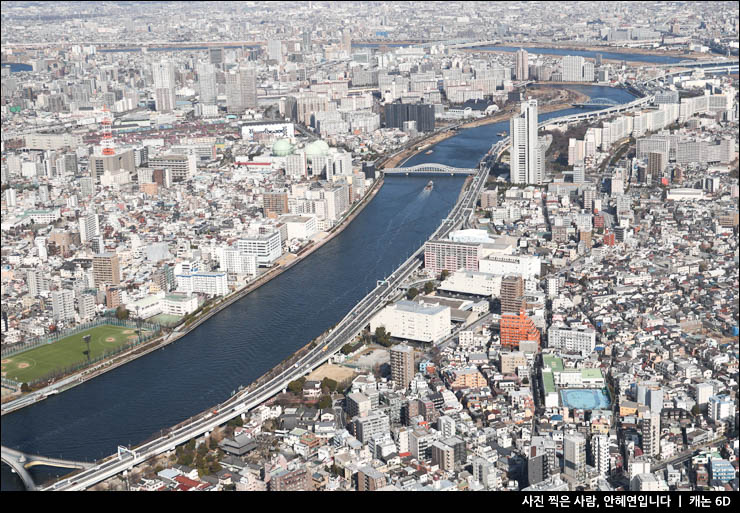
(20, 461)
(429, 169)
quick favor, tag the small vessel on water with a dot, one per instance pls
(501, 134)
(429, 186)
(429, 152)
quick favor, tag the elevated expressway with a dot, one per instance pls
(351, 325)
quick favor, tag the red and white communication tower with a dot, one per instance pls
(107, 142)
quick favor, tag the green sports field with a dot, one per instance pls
(41, 361)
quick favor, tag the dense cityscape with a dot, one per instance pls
(359, 246)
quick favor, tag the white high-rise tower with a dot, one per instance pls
(207, 82)
(522, 65)
(526, 163)
(164, 85)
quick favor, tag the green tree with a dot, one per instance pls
(297, 386)
(329, 383)
(236, 421)
(412, 293)
(121, 313)
(429, 287)
(324, 402)
(382, 337)
(25, 388)
(346, 349)
(443, 276)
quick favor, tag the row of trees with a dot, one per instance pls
(413, 291)
(205, 457)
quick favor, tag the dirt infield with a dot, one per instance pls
(6, 360)
(330, 371)
(110, 339)
(24, 365)
(132, 337)
(127, 332)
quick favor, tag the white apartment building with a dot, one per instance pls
(179, 304)
(63, 305)
(414, 321)
(235, 261)
(89, 227)
(300, 227)
(527, 163)
(572, 67)
(267, 247)
(212, 284)
(526, 265)
(472, 282)
(164, 86)
(574, 340)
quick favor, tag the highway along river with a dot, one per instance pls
(236, 346)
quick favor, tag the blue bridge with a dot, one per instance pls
(429, 169)
(597, 103)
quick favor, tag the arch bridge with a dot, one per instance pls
(597, 103)
(20, 462)
(429, 169)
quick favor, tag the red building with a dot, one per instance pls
(516, 328)
(609, 239)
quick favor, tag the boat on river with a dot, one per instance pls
(429, 186)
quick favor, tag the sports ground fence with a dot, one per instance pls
(152, 329)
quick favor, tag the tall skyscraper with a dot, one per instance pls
(526, 162)
(89, 227)
(542, 460)
(600, 453)
(402, 365)
(397, 113)
(651, 434)
(241, 89)
(522, 65)
(306, 41)
(164, 85)
(63, 305)
(216, 56)
(275, 50)
(574, 450)
(512, 292)
(207, 82)
(572, 68)
(106, 269)
(347, 41)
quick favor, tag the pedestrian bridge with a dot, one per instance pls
(429, 169)
(20, 462)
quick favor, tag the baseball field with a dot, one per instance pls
(42, 361)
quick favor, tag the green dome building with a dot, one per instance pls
(282, 147)
(316, 148)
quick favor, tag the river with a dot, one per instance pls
(236, 346)
(590, 54)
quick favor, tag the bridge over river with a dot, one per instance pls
(20, 462)
(429, 169)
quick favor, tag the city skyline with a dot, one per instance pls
(372, 246)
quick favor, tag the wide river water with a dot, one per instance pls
(237, 345)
